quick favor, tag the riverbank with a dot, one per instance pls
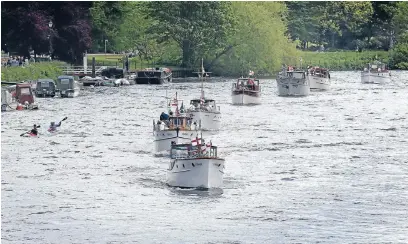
(33, 71)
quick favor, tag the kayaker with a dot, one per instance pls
(34, 131)
(53, 126)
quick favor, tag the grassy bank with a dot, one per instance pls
(32, 72)
(343, 60)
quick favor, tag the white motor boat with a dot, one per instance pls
(292, 83)
(319, 78)
(177, 127)
(246, 91)
(67, 86)
(195, 165)
(376, 73)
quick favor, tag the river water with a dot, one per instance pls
(331, 168)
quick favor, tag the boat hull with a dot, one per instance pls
(70, 93)
(319, 83)
(210, 120)
(163, 139)
(293, 87)
(196, 173)
(244, 98)
(375, 78)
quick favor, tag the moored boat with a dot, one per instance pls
(246, 91)
(195, 165)
(375, 73)
(45, 88)
(67, 86)
(319, 78)
(154, 76)
(292, 82)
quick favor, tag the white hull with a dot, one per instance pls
(163, 139)
(319, 83)
(73, 94)
(245, 99)
(206, 173)
(289, 87)
(209, 120)
(375, 78)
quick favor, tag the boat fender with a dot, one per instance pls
(19, 107)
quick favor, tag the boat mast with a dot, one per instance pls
(202, 77)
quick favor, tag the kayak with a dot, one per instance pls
(30, 135)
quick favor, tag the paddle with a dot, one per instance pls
(28, 131)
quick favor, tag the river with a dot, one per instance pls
(331, 168)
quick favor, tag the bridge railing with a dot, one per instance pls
(80, 69)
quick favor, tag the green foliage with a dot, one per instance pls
(198, 28)
(258, 41)
(32, 72)
(343, 60)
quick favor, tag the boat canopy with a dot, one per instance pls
(65, 82)
(189, 150)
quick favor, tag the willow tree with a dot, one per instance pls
(258, 41)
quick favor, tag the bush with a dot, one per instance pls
(32, 72)
(399, 54)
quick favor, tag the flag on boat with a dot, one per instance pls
(196, 141)
(251, 72)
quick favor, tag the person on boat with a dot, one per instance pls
(164, 116)
(53, 126)
(34, 131)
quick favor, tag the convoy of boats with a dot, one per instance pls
(193, 162)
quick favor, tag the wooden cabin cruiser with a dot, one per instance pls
(154, 76)
(67, 86)
(175, 127)
(376, 73)
(206, 113)
(246, 91)
(45, 88)
(195, 165)
(292, 82)
(319, 78)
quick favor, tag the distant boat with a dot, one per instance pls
(319, 78)
(246, 91)
(376, 73)
(67, 86)
(154, 76)
(292, 82)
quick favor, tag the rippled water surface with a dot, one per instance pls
(330, 168)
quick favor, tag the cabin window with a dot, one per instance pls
(65, 81)
(25, 91)
(45, 84)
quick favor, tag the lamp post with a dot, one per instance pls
(49, 37)
(105, 46)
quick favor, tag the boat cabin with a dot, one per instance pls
(376, 67)
(24, 93)
(208, 104)
(45, 88)
(65, 84)
(6, 99)
(173, 122)
(247, 83)
(320, 72)
(179, 151)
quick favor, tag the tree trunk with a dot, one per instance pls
(187, 54)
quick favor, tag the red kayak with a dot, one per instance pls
(29, 135)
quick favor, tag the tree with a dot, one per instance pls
(197, 27)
